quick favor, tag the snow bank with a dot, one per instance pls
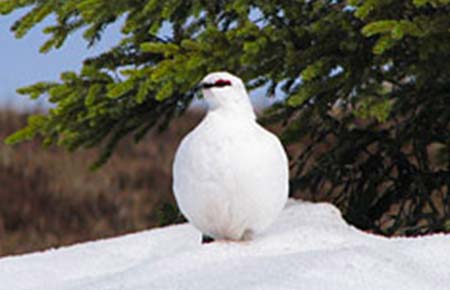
(310, 247)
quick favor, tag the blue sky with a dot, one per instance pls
(22, 64)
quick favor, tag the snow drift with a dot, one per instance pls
(309, 247)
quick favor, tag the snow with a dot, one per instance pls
(309, 247)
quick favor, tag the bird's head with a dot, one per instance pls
(223, 90)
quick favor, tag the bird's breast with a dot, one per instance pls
(230, 175)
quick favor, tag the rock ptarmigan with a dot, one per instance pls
(230, 175)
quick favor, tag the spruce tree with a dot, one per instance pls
(365, 84)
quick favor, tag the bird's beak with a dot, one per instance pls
(199, 86)
(202, 86)
(218, 84)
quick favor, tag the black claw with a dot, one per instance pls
(207, 239)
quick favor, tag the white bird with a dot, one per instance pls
(230, 175)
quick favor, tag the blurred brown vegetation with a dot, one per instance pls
(49, 197)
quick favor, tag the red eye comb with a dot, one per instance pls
(222, 83)
(217, 84)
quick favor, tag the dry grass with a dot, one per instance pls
(49, 198)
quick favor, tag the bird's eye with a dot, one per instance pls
(217, 84)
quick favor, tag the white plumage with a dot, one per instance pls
(230, 175)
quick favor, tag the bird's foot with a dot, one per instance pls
(207, 239)
(247, 235)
